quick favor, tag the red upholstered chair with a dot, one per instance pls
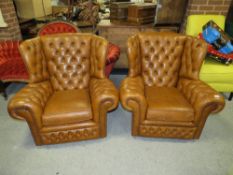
(65, 27)
(58, 27)
(12, 67)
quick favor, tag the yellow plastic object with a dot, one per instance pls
(195, 23)
(218, 76)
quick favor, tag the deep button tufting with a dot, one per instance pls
(60, 67)
(79, 66)
(65, 75)
(80, 81)
(78, 52)
(156, 57)
(63, 60)
(162, 50)
(150, 80)
(70, 82)
(147, 43)
(152, 49)
(67, 51)
(28, 48)
(73, 60)
(173, 50)
(170, 64)
(84, 73)
(162, 64)
(69, 68)
(165, 59)
(147, 57)
(83, 43)
(74, 74)
(61, 44)
(73, 57)
(72, 43)
(57, 52)
(84, 58)
(151, 65)
(51, 45)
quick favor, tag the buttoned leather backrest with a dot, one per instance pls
(161, 57)
(67, 60)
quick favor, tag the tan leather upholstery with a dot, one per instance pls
(68, 95)
(163, 89)
(67, 107)
(167, 104)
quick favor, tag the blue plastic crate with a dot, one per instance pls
(211, 34)
(228, 48)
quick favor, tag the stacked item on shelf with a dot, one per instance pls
(137, 13)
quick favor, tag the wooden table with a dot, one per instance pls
(118, 32)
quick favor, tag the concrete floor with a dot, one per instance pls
(119, 153)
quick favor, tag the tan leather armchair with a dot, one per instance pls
(68, 95)
(163, 89)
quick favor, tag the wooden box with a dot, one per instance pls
(119, 10)
(142, 13)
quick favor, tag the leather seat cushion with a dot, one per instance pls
(67, 107)
(167, 104)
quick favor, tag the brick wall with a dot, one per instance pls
(206, 7)
(9, 15)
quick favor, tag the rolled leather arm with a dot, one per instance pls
(201, 96)
(103, 94)
(29, 102)
(132, 90)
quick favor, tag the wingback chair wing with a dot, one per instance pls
(68, 95)
(163, 89)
